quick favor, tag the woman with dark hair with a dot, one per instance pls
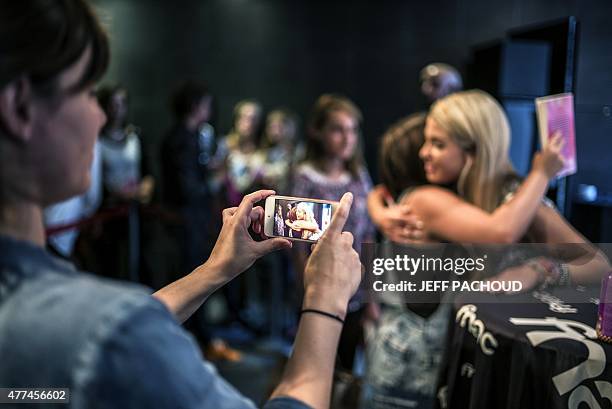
(400, 165)
(113, 344)
(334, 164)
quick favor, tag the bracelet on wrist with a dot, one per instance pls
(551, 273)
(565, 279)
(324, 313)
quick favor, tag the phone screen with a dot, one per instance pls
(301, 219)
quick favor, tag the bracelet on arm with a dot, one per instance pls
(559, 273)
(326, 314)
(565, 279)
(551, 273)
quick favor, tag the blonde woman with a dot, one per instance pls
(279, 149)
(471, 182)
(242, 170)
(302, 220)
(473, 196)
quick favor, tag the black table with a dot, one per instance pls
(539, 351)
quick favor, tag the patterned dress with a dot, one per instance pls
(312, 183)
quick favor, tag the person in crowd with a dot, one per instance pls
(185, 188)
(333, 164)
(240, 173)
(126, 185)
(465, 149)
(64, 328)
(121, 150)
(271, 167)
(439, 80)
(279, 149)
(292, 233)
(242, 167)
(279, 221)
(186, 193)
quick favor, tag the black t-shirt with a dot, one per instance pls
(184, 178)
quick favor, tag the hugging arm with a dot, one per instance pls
(396, 221)
(305, 225)
(447, 216)
(567, 249)
(586, 263)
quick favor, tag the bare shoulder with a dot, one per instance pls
(430, 195)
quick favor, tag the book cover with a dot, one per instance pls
(556, 113)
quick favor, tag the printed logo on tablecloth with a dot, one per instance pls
(574, 379)
(467, 370)
(466, 317)
(443, 397)
(555, 304)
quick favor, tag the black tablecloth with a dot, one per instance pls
(539, 351)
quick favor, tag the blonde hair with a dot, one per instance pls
(478, 124)
(233, 138)
(307, 211)
(309, 216)
(289, 121)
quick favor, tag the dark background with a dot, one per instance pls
(288, 52)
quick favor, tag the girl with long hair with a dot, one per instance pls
(333, 164)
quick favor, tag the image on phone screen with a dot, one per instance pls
(301, 219)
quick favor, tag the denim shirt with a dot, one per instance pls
(113, 345)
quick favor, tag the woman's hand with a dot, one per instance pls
(333, 271)
(234, 252)
(400, 225)
(550, 160)
(396, 221)
(235, 249)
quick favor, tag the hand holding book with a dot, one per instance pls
(550, 159)
(556, 115)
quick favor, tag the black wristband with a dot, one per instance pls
(327, 314)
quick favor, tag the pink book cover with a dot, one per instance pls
(556, 113)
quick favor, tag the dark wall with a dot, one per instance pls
(288, 52)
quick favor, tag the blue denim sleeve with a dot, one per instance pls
(151, 362)
(285, 403)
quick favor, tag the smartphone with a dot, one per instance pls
(297, 218)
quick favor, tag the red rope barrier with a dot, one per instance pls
(157, 211)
